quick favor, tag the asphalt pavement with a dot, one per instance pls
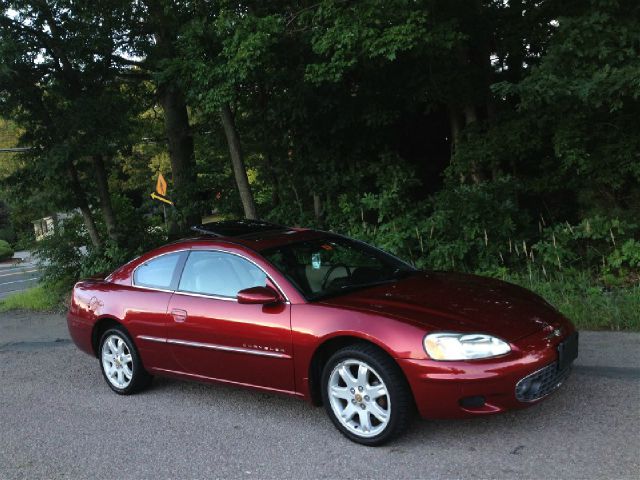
(58, 419)
(18, 274)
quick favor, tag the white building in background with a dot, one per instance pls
(43, 227)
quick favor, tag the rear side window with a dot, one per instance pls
(219, 274)
(157, 272)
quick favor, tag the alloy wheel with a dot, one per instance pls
(117, 361)
(359, 398)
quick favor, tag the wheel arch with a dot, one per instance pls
(328, 347)
(101, 326)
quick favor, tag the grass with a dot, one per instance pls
(39, 298)
(588, 305)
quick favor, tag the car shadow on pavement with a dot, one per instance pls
(561, 404)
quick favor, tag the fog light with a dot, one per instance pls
(524, 386)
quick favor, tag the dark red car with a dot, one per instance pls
(325, 318)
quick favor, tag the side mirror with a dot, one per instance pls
(258, 296)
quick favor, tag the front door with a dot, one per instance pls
(211, 335)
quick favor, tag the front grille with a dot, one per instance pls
(541, 383)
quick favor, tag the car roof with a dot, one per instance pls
(254, 234)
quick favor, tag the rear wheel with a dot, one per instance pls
(120, 363)
(366, 395)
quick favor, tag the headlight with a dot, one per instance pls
(463, 346)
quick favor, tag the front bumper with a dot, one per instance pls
(464, 389)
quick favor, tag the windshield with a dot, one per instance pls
(333, 265)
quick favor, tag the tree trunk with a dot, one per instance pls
(317, 207)
(470, 114)
(181, 154)
(273, 178)
(239, 170)
(81, 203)
(266, 138)
(471, 117)
(105, 198)
(455, 125)
(517, 53)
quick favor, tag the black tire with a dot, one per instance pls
(140, 378)
(399, 394)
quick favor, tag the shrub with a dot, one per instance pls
(67, 255)
(8, 233)
(5, 250)
(589, 305)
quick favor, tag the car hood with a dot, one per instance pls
(455, 302)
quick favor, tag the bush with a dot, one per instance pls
(5, 250)
(588, 305)
(471, 226)
(67, 255)
(463, 227)
(8, 233)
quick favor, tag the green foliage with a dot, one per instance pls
(64, 252)
(623, 262)
(68, 258)
(492, 137)
(464, 227)
(40, 298)
(584, 98)
(378, 30)
(601, 244)
(588, 305)
(374, 217)
(471, 225)
(7, 231)
(5, 250)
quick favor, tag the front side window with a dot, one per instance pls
(332, 265)
(157, 272)
(219, 274)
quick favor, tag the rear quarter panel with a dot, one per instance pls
(140, 311)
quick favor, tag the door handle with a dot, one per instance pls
(179, 315)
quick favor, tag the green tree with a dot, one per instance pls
(58, 84)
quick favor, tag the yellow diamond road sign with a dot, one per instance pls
(161, 191)
(161, 186)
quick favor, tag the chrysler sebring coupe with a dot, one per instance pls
(326, 318)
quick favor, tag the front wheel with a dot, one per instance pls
(120, 363)
(366, 395)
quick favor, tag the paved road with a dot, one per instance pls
(19, 277)
(58, 419)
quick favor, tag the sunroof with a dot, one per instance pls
(236, 228)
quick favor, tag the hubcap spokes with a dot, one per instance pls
(117, 362)
(359, 398)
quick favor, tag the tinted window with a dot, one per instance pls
(332, 265)
(157, 272)
(220, 274)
